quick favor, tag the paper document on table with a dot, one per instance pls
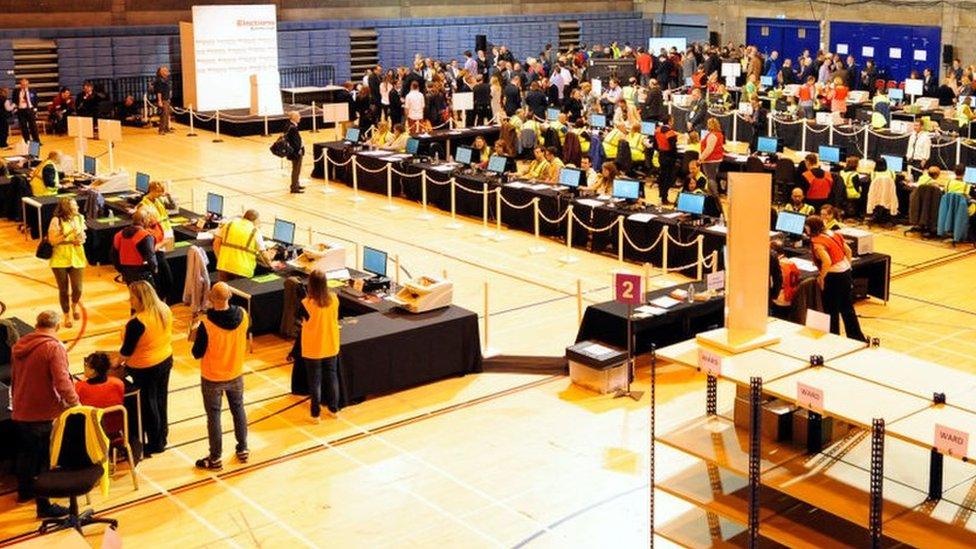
(650, 310)
(205, 236)
(671, 215)
(664, 302)
(540, 187)
(389, 158)
(804, 265)
(517, 185)
(338, 274)
(444, 168)
(640, 217)
(455, 132)
(597, 350)
(739, 157)
(719, 229)
(593, 203)
(378, 152)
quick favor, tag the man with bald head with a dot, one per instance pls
(294, 138)
(220, 342)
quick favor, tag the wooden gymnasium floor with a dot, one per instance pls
(485, 460)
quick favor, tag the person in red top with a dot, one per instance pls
(41, 389)
(666, 143)
(163, 280)
(99, 389)
(838, 96)
(819, 182)
(134, 251)
(712, 153)
(832, 256)
(644, 64)
(807, 97)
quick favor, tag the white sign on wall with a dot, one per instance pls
(231, 43)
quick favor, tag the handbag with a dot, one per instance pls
(282, 148)
(44, 250)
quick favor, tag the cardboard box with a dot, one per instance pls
(775, 418)
(831, 430)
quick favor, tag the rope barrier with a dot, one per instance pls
(554, 221)
(472, 191)
(367, 170)
(511, 205)
(402, 174)
(684, 244)
(593, 230)
(633, 245)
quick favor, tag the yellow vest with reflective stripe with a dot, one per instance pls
(849, 187)
(636, 141)
(238, 248)
(161, 213)
(610, 143)
(37, 180)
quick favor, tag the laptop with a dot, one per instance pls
(969, 176)
(413, 145)
(766, 81)
(552, 115)
(691, 203)
(34, 149)
(352, 135)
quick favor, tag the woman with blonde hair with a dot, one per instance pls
(147, 353)
(497, 112)
(712, 153)
(66, 233)
(155, 200)
(381, 135)
(163, 280)
(319, 313)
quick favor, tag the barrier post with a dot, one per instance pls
(538, 248)
(355, 182)
(325, 164)
(769, 125)
(714, 261)
(498, 237)
(579, 302)
(830, 133)
(569, 258)
(958, 150)
(389, 190)
(620, 239)
(217, 127)
(266, 125)
(701, 257)
(193, 199)
(867, 132)
(192, 133)
(315, 127)
(453, 225)
(487, 351)
(735, 126)
(485, 231)
(396, 266)
(803, 135)
(664, 250)
(424, 214)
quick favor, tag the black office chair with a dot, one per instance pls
(74, 476)
(784, 179)
(755, 165)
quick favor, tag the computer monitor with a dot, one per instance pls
(791, 223)
(689, 82)
(215, 204)
(896, 94)
(463, 155)
(970, 175)
(767, 145)
(895, 163)
(352, 135)
(628, 189)
(570, 177)
(413, 145)
(766, 81)
(647, 128)
(552, 114)
(691, 203)
(828, 154)
(598, 121)
(284, 232)
(89, 165)
(34, 149)
(142, 182)
(374, 261)
(497, 163)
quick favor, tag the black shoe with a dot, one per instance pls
(53, 510)
(242, 455)
(297, 191)
(209, 464)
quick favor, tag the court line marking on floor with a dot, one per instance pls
(247, 499)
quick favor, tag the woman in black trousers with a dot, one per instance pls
(832, 257)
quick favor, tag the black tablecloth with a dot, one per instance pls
(387, 352)
(176, 259)
(607, 322)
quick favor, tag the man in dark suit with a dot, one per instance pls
(512, 95)
(654, 103)
(25, 101)
(535, 100)
(294, 138)
(375, 77)
(699, 111)
(482, 101)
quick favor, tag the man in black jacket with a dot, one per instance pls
(513, 97)
(294, 138)
(25, 101)
(699, 111)
(482, 101)
(536, 101)
(654, 103)
(374, 79)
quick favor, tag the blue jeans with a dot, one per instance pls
(314, 369)
(213, 392)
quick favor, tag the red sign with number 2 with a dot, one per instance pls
(628, 288)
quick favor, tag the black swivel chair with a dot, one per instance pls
(74, 476)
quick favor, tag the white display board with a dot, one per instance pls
(266, 94)
(654, 45)
(109, 130)
(335, 112)
(81, 126)
(231, 43)
(463, 101)
(731, 70)
(914, 86)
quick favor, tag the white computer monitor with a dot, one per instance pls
(790, 223)
(969, 176)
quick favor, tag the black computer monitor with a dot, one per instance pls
(497, 164)
(828, 154)
(628, 189)
(374, 261)
(767, 145)
(215, 204)
(34, 149)
(284, 232)
(352, 135)
(570, 177)
(89, 165)
(552, 115)
(463, 155)
(598, 121)
(647, 128)
(691, 203)
(142, 182)
(413, 145)
(791, 223)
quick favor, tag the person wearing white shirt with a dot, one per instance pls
(919, 147)
(413, 104)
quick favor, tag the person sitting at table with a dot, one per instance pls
(852, 186)
(586, 166)
(751, 90)
(581, 130)
(829, 215)
(529, 122)
(134, 250)
(612, 139)
(381, 137)
(880, 109)
(604, 182)
(555, 165)
(639, 143)
(45, 180)
(398, 141)
(720, 99)
(625, 113)
(61, 107)
(480, 153)
(157, 199)
(508, 138)
(237, 245)
(797, 203)
(129, 112)
(930, 176)
(538, 168)
(819, 183)
(99, 389)
(694, 142)
(782, 301)
(696, 181)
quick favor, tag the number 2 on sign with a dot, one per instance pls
(709, 363)
(627, 289)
